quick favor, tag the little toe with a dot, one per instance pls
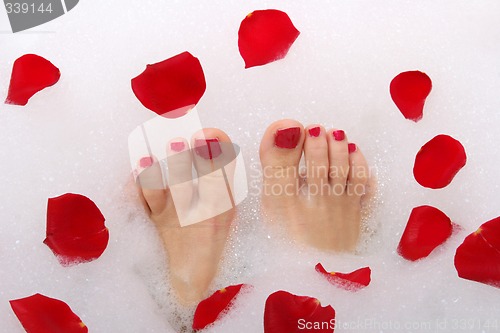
(316, 158)
(359, 172)
(280, 153)
(338, 155)
(150, 184)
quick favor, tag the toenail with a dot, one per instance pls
(146, 162)
(207, 148)
(315, 131)
(287, 137)
(177, 146)
(339, 135)
(352, 147)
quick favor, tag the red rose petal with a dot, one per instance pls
(209, 310)
(285, 312)
(438, 161)
(409, 91)
(75, 229)
(172, 87)
(427, 228)
(491, 232)
(353, 281)
(30, 74)
(265, 36)
(478, 257)
(41, 314)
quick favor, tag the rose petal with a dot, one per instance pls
(41, 314)
(172, 87)
(478, 257)
(265, 36)
(438, 161)
(214, 307)
(353, 281)
(75, 229)
(30, 74)
(427, 228)
(285, 312)
(409, 91)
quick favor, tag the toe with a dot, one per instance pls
(179, 161)
(338, 155)
(280, 153)
(180, 173)
(150, 184)
(214, 158)
(316, 157)
(359, 172)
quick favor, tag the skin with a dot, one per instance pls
(328, 219)
(324, 209)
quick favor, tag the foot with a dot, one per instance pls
(193, 218)
(321, 206)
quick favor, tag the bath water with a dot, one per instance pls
(72, 137)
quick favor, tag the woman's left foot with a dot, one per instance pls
(193, 220)
(322, 209)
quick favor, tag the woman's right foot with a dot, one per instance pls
(322, 209)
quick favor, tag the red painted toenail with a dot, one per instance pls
(177, 146)
(315, 131)
(352, 147)
(287, 137)
(208, 149)
(339, 135)
(146, 162)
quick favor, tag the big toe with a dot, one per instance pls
(214, 158)
(280, 153)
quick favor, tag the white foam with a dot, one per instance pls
(72, 137)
